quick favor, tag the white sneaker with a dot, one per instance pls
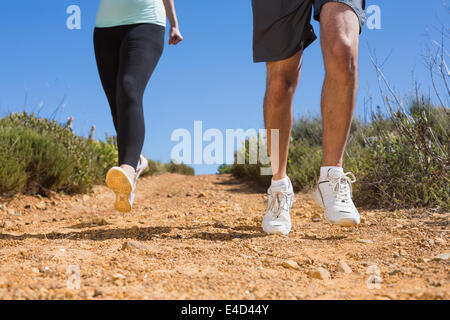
(334, 194)
(142, 165)
(123, 186)
(277, 219)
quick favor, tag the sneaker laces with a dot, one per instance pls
(342, 187)
(279, 200)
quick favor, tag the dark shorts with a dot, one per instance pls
(281, 28)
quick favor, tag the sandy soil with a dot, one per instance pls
(200, 238)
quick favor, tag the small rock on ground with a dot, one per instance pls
(344, 267)
(290, 264)
(320, 273)
(135, 245)
(364, 241)
(442, 256)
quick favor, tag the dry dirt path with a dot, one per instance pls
(200, 238)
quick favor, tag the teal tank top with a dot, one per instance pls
(112, 13)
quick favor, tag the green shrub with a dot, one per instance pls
(39, 155)
(224, 169)
(154, 168)
(400, 160)
(157, 167)
(304, 165)
(407, 166)
(173, 167)
(248, 171)
(308, 130)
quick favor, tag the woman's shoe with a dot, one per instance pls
(123, 186)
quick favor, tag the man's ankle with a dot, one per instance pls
(280, 182)
(277, 177)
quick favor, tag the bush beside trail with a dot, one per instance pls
(156, 167)
(39, 155)
(401, 160)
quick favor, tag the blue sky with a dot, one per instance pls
(209, 77)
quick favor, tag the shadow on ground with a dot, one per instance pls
(241, 186)
(143, 234)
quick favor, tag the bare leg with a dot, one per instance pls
(282, 81)
(340, 42)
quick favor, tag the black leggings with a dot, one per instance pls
(126, 57)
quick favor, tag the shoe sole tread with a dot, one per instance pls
(120, 185)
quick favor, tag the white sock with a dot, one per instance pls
(324, 171)
(279, 183)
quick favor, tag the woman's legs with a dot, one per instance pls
(107, 54)
(126, 58)
(140, 51)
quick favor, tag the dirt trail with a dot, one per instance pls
(200, 238)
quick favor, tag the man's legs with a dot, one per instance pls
(282, 81)
(340, 40)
